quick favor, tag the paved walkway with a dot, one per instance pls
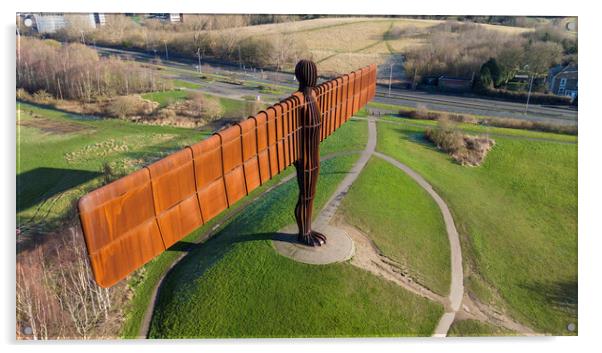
(457, 275)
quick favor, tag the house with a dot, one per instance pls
(563, 81)
(167, 17)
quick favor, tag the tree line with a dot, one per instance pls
(199, 35)
(74, 71)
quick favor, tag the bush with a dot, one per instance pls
(128, 106)
(422, 113)
(536, 97)
(199, 106)
(530, 125)
(464, 149)
(43, 97)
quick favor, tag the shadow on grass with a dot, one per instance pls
(562, 295)
(186, 246)
(40, 184)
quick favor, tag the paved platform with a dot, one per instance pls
(339, 246)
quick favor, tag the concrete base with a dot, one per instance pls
(339, 246)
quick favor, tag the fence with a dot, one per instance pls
(130, 221)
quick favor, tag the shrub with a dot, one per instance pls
(530, 125)
(43, 97)
(536, 97)
(128, 106)
(199, 106)
(464, 149)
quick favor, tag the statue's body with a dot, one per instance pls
(308, 164)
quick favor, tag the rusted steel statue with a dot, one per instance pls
(130, 221)
(308, 164)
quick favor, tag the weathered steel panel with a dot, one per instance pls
(130, 221)
(119, 225)
(174, 194)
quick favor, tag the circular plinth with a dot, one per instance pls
(339, 246)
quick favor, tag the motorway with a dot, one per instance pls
(403, 97)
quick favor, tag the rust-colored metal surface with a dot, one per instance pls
(131, 220)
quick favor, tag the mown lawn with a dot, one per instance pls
(403, 221)
(60, 156)
(236, 285)
(467, 328)
(517, 217)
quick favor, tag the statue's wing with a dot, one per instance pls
(130, 221)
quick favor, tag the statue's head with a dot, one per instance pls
(306, 73)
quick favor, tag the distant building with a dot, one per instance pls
(100, 19)
(563, 81)
(48, 22)
(167, 17)
(447, 83)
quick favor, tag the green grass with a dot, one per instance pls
(351, 136)
(469, 127)
(403, 221)
(482, 129)
(232, 107)
(186, 84)
(517, 217)
(55, 167)
(236, 285)
(466, 328)
(145, 280)
(165, 98)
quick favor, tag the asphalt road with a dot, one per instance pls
(432, 101)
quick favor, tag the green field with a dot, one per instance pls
(60, 156)
(236, 285)
(466, 328)
(403, 221)
(350, 137)
(233, 108)
(517, 218)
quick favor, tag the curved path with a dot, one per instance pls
(457, 275)
(454, 300)
(145, 325)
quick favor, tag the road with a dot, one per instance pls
(430, 100)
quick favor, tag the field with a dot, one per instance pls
(344, 44)
(517, 217)
(403, 221)
(237, 281)
(466, 328)
(60, 156)
(351, 137)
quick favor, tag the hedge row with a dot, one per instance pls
(519, 96)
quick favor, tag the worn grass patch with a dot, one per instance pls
(236, 285)
(517, 218)
(403, 221)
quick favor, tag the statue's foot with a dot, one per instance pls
(313, 238)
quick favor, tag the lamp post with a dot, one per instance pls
(390, 78)
(166, 52)
(198, 53)
(530, 86)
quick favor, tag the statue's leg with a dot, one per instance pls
(299, 208)
(316, 237)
